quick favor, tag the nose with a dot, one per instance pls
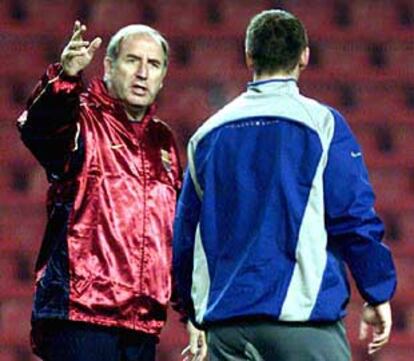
(142, 70)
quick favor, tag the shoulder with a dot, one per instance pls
(161, 124)
(341, 126)
(317, 112)
(161, 127)
(162, 131)
(325, 119)
(316, 107)
(229, 112)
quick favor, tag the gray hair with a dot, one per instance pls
(114, 46)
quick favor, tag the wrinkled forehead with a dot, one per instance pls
(141, 40)
(144, 43)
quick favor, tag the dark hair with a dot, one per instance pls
(275, 40)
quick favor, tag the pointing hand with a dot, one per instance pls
(78, 53)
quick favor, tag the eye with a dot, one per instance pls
(155, 64)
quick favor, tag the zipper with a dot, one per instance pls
(141, 148)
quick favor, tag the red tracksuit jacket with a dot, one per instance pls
(106, 254)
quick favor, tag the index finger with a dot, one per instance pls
(78, 29)
(185, 350)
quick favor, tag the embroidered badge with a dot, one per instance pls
(166, 160)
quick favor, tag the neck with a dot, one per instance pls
(135, 114)
(277, 75)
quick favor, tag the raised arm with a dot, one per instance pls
(49, 126)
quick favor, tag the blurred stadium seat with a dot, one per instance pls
(361, 63)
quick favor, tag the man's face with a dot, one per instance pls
(136, 75)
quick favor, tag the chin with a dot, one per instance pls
(139, 102)
(140, 105)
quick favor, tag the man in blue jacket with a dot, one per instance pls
(276, 200)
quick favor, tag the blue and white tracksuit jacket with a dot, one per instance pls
(276, 200)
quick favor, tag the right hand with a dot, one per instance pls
(379, 319)
(78, 53)
(197, 348)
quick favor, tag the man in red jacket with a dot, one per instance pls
(103, 277)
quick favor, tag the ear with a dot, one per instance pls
(162, 78)
(164, 72)
(249, 60)
(304, 58)
(107, 66)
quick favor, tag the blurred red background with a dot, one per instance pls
(361, 63)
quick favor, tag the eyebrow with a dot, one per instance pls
(132, 56)
(152, 60)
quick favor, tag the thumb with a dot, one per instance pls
(363, 330)
(194, 342)
(94, 45)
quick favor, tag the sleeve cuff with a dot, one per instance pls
(62, 83)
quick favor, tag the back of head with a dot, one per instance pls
(275, 40)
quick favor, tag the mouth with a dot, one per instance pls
(139, 90)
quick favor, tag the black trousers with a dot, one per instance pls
(278, 341)
(57, 340)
